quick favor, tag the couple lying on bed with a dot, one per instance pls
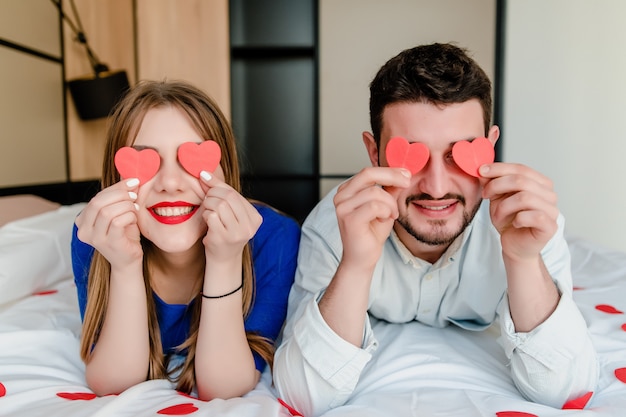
(191, 281)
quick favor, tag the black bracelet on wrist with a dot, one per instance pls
(211, 297)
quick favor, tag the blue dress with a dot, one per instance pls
(274, 254)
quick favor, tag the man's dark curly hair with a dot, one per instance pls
(437, 73)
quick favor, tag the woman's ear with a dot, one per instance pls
(372, 148)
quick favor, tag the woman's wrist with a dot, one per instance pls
(128, 270)
(211, 297)
(222, 278)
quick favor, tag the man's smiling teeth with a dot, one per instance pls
(436, 208)
(173, 211)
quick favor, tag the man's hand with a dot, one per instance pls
(366, 212)
(523, 209)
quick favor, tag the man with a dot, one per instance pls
(492, 241)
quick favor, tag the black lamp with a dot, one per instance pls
(94, 95)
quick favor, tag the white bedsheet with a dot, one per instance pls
(417, 370)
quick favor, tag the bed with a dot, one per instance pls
(417, 370)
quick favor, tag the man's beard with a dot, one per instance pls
(438, 236)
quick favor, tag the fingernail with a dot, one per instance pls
(406, 172)
(132, 195)
(132, 182)
(483, 169)
(205, 176)
(136, 206)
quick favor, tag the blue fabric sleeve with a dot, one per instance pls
(275, 252)
(81, 261)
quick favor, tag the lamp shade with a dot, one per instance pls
(95, 97)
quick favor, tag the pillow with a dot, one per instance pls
(20, 206)
(35, 252)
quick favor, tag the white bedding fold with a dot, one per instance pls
(416, 371)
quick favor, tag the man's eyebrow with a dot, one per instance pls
(470, 139)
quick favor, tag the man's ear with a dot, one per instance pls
(493, 135)
(372, 148)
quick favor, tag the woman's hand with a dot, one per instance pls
(224, 362)
(231, 220)
(109, 224)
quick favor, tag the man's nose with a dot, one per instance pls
(434, 178)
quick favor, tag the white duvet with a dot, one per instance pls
(417, 370)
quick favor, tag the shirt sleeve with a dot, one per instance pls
(314, 368)
(82, 254)
(555, 362)
(275, 251)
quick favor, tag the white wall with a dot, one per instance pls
(358, 36)
(565, 107)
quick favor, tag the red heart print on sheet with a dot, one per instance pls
(605, 308)
(3, 390)
(292, 411)
(198, 157)
(184, 394)
(514, 414)
(178, 410)
(620, 373)
(77, 395)
(131, 163)
(47, 292)
(470, 156)
(402, 154)
(578, 403)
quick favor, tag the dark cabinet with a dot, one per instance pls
(274, 100)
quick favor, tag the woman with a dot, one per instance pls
(188, 280)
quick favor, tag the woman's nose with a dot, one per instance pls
(170, 176)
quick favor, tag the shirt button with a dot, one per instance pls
(429, 277)
(426, 311)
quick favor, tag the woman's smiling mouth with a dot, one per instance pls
(173, 212)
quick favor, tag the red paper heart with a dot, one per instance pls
(620, 373)
(470, 156)
(624, 327)
(514, 414)
(3, 390)
(292, 411)
(197, 157)
(77, 395)
(578, 403)
(131, 163)
(179, 409)
(605, 308)
(402, 154)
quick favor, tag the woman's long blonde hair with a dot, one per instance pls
(125, 122)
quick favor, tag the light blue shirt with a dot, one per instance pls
(317, 370)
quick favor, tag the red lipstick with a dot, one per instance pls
(173, 212)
